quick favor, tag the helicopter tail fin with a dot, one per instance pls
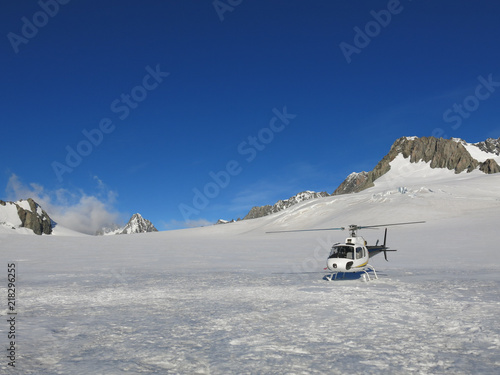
(385, 239)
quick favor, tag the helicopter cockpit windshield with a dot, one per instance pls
(342, 251)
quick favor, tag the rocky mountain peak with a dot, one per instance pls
(136, 224)
(25, 214)
(452, 154)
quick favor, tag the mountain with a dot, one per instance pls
(261, 211)
(453, 154)
(25, 214)
(136, 224)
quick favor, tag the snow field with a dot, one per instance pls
(241, 322)
(233, 299)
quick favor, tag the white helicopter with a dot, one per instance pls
(354, 254)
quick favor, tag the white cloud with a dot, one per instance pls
(75, 210)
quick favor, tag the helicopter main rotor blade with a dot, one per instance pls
(386, 225)
(304, 230)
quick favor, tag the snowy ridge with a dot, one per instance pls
(256, 212)
(300, 197)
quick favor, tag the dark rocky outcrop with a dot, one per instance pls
(353, 182)
(35, 219)
(441, 153)
(32, 216)
(489, 166)
(259, 211)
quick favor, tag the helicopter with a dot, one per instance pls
(354, 254)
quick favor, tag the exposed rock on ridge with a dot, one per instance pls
(491, 145)
(489, 166)
(352, 183)
(441, 153)
(261, 211)
(31, 216)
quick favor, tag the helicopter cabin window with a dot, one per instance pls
(342, 252)
(359, 253)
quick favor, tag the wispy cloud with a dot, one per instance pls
(72, 209)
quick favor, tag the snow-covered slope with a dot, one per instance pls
(233, 299)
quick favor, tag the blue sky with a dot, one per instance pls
(191, 111)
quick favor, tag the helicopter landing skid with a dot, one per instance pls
(366, 275)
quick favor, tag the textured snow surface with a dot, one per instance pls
(232, 299)
(241, 322)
